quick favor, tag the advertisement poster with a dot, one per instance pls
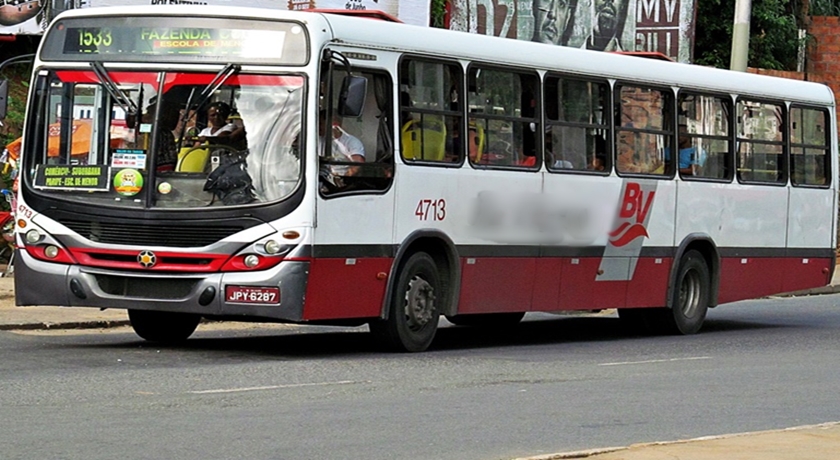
(32, 16)
(21, 17)
(665, 26)
(408, 11)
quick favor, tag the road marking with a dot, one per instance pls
(272, 387)
(649, 361)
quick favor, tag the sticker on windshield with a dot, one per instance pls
(129, 158)
(91, 178)
(128, 182)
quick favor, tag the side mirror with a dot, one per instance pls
(351, 99)
(4, 96)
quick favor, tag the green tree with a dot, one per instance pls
(774, 38)
(18, 77)
(824, 7)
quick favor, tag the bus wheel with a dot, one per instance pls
(163, 326)
(414, 308)
(487, 319)
(690, 300)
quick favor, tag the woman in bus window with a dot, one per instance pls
(218, 130)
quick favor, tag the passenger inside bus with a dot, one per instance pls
(219, 130)
(558, 159)
(345, 148)
(475, 141)
(691, 158)
(167, 148)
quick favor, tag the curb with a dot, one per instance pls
(606, 450)
(823, 290)
(93, 324)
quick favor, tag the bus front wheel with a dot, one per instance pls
(414, 308)
(163, 326)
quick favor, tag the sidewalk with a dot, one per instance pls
(799, 443)
(806, 442)
(31, 318)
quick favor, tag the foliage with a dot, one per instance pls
(824, 8)
(18, 78)
(437, 12)
(774, 33)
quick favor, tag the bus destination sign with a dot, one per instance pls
(168, 39)
(72, 177)
(175, 40)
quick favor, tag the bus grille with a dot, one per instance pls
(149, 235)
(147, 288)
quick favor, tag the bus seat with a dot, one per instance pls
(192, 159)
(424, 141)
(475, 137)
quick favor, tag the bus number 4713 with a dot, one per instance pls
(431, 209)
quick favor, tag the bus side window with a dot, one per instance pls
(704, 151)
(502, 102)
(645, 131)
(430, 121)
(371, 130)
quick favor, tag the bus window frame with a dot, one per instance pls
(828, 147)
(355, 70)
(609, 125)
(536, 119)
(730, 138)
(785, 143)
(671, 135)
(462, 126)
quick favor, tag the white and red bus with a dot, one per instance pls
(500, 177)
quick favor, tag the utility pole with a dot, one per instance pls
(741, 36)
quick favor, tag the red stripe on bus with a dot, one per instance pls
(346, 288)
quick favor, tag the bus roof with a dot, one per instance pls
(361, 31)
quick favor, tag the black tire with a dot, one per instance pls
(163, 326)
(689, 302)
(414, 309)
(487, 319)
(689, 296)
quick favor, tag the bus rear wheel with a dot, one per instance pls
(689, 302)
(163, 326)
(690, 296)
(414, 308)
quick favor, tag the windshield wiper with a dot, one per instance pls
(217, 81)
(120, 97)
(228, 71)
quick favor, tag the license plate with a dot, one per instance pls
(253, 294)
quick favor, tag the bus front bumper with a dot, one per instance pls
(43, 283)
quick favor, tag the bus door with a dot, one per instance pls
(355, 206)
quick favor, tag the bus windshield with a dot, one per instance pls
(196, 139)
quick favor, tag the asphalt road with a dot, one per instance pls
(555, 383)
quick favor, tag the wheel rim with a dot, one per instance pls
(419, 303)
(690, 291)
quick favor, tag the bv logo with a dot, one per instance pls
(632, 215)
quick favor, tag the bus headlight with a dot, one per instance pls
(272, 247)
(51, 251)
(33, 236)
(251, 260)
